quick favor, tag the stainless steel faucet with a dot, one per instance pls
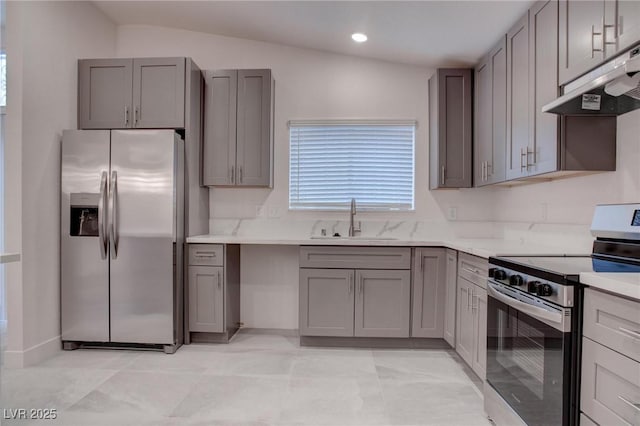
(352, 213)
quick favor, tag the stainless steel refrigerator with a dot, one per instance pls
(122, 226)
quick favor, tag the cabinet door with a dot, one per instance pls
(453, 91)
(219, 147)
(628, 24)
(483, 121)
(158, 93)
(104, 93)
(464, 321)
(206, 299)
(450, 298)
(479, 308)
(382, 303)
(518, 99)
(580, 37)
(254, 128)
(326, 302)
(495, 168)
(543, 73)
(429, 276)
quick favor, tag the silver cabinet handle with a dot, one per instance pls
(604, 34)
(102, 239)
(620, 27)
(442, 175)
(593, 36)
(126, 116)
(469, 298)
(421, 262)
(361, 285)
(113, 213)
(240, 171)
(626, 401)
(207, 254)
(136, 116)
(633, 334)
(486, 170)
(523, 154)
(232, 175)
(219, 281)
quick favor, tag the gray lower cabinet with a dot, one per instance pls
(206, 299)
(213, 291)
(130, 93)
(382, 301)
(364, 300)
(610, 386)
(238, 128)
(450, 298)
(429, 281)
(471, 313)
(610, 383)
(450, 128)
(326, 302)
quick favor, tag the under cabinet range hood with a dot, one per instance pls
(611, 89)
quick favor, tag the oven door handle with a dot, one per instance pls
(534, 311)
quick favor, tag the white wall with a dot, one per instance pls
(44, 41)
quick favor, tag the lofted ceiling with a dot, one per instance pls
(427, 33)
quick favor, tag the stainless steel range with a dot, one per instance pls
(534, 322)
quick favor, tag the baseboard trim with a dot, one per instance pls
(33, 355)
(375, 342)
(286, 332)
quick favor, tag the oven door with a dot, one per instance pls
(529, 354)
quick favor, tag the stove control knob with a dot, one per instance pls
(545, 290)
(532, 286)
(516, 280)
(500, 274)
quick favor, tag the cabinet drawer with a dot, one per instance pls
(206, 254)
(610, 391)
(613, 321)
(355, 257)
(473, 268)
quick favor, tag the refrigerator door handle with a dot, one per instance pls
(113, 213)
(102, 228)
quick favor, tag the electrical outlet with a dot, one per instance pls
(453, 213)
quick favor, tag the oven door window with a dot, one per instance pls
(526, 362)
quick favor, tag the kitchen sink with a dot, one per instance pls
(359, 237)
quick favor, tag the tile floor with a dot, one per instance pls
(258, 379)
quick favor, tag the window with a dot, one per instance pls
(332, 162)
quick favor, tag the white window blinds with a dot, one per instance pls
(332, 163)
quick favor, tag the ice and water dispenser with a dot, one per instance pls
(84, 215)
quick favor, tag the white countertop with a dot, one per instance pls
(9, 257)
(482, 247)
(623, 283)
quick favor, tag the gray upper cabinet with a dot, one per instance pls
(219, 151)
(131, 93)
(543, 80)
(326, 302)
(158, 93)
(206, 299)
(104, 93)
(450, 125)
(491, 116)
(381, 303)
(450, 298)
(518, 104)
(429, 279)
(581, 37)
(628, 24)
(238, 142)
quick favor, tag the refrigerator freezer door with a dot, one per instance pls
(84, 266)
(143, 183)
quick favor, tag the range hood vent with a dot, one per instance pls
(611, 89)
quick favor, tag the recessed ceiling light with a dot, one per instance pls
(359, 37)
